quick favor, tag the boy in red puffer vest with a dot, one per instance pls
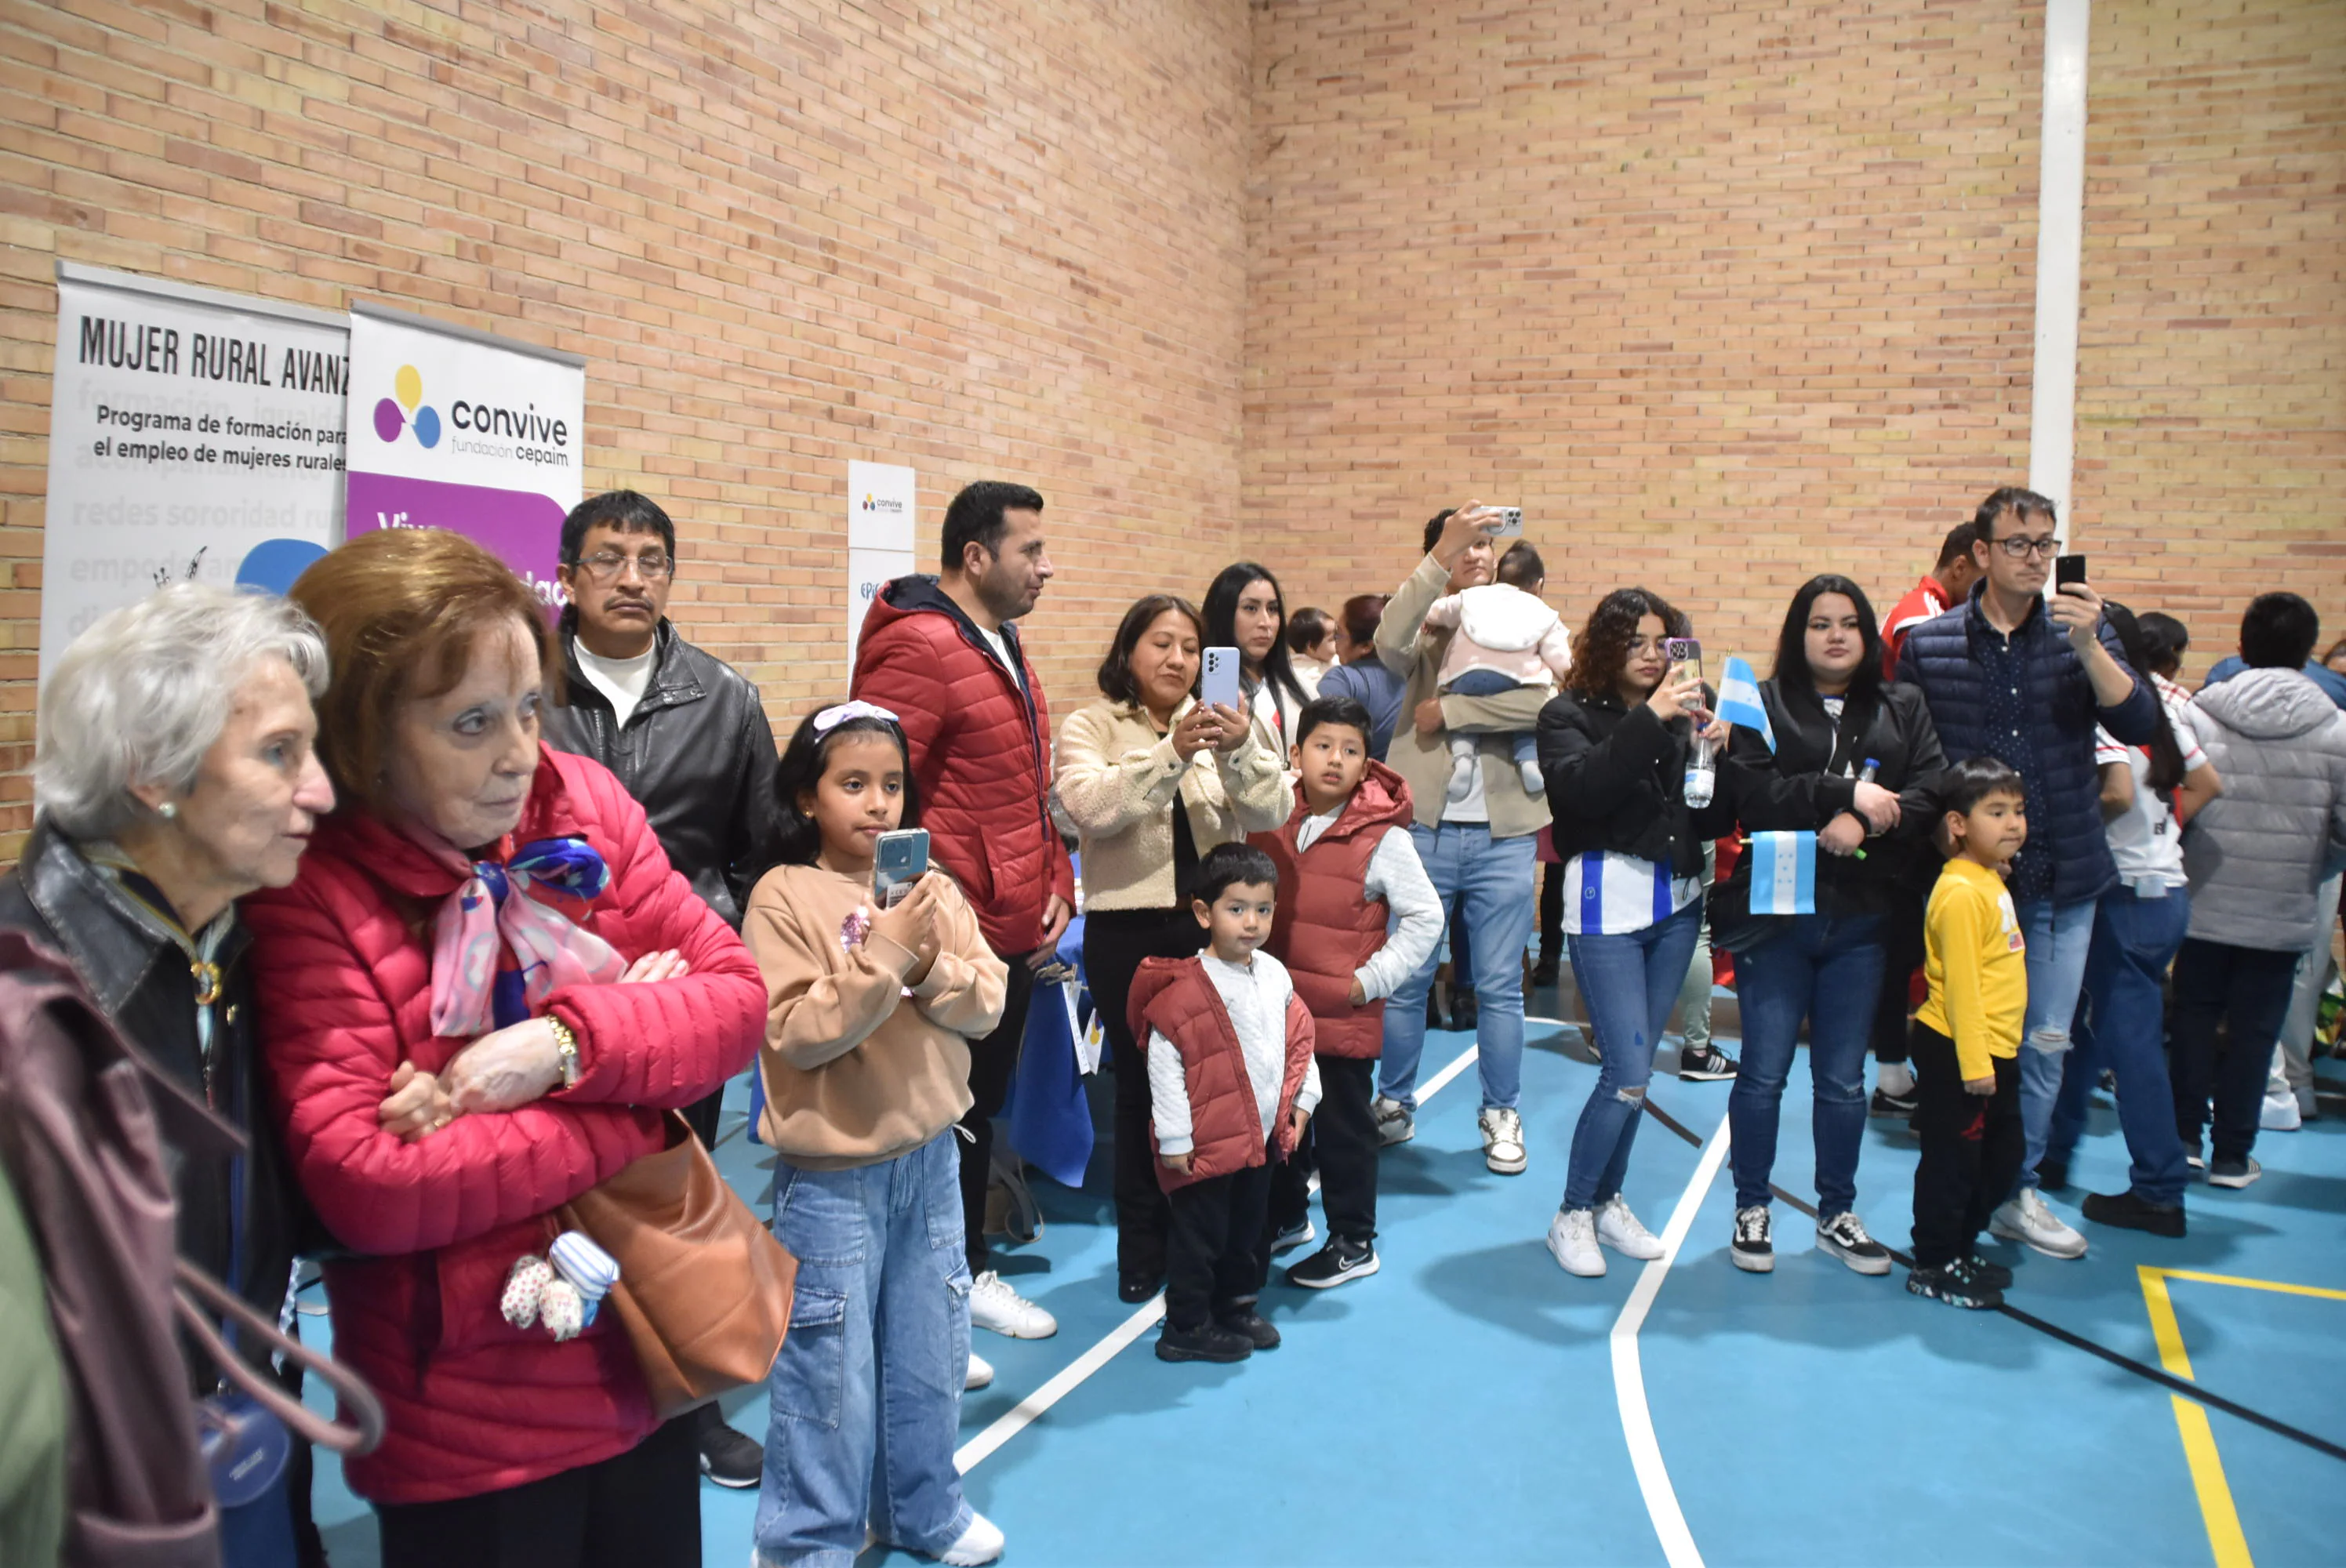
(1348, 874)
(1232, 1085)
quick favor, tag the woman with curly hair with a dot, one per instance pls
(1613, 749)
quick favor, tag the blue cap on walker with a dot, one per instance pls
(586, 1266)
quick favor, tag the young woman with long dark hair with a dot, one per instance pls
(1245, 610)
(1853, 763)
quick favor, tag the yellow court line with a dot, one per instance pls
(2223, 1519)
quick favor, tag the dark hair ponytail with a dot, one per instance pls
(2166, 752)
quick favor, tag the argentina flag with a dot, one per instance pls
(1739, 700)
(1783, 873)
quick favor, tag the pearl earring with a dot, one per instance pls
(167, 810)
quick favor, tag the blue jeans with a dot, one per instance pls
(866, 1395)
(2123, 1027)
(1628, 982)
(1494, 876)
(2058, 938)
(1828, 970)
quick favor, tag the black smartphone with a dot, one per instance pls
(2068, 569)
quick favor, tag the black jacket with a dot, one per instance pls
(142, 980)
(1811, 778)
(1616, 782)
(696, 754)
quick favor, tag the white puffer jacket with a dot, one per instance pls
(2257, 853)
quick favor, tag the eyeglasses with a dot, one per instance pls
(605, 566)
(2020, 546)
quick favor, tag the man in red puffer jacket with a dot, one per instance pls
(941, 654)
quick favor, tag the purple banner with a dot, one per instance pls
(523, 528)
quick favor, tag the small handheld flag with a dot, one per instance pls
(1783, 873)
(1739, 700)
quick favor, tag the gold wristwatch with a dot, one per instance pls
(565, 1047)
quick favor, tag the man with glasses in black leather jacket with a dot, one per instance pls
(687, 735)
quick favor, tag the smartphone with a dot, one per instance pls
(903, 859)
(1685, 651)
(1218, 687)
(2067, 569)
(1510, 525)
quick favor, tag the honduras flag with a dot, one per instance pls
(1739, 700)
(1783, 873)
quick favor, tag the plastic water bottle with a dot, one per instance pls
(1865, 775)
(1701, 773)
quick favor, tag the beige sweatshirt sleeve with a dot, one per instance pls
(965, 986)
(1255, 780)
(1106, 788)
(816, 1011)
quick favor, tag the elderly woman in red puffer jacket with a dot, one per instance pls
(478, 999)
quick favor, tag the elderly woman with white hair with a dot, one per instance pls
(174, 772)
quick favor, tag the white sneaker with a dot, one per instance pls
(1503, 1140)
(2026, 1218)
(1617, 1228)
(1572, 1238)
(980, 1543)
(994, 1305)
(2280, 1113)
(979, 1376)
(1396, 1124)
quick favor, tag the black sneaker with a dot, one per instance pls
(1990, 1274)
(1341, 1259)
(1844, 1236)
(1206, 1342)
(1546, 971)
(1704, 1065)
(1885, 1103)
(1958, 1284)
(2132, 1212)
(2234, 1173)
(1291, 1236)
(2052, 1174)
(1252, 1327)
(1752, 1250)
(1137, 1287)
(728, 1457)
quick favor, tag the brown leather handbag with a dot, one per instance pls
(704, 1290)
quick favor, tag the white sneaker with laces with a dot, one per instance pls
(2027, 1218)
(1572, 1238)
(1503, 1140)
(992, 1305)
(979, 1376)
(1617, 1228)
(980, 1544)
(1395, 1122)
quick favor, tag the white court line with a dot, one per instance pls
(974, 1452)
(1628, 1373)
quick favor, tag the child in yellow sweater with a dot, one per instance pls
(1967, 1039)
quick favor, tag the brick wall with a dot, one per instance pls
(983, 237)
(1723, 292)
(1727, 294)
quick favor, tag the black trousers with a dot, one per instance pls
(640, 1510)
(1902, 943)
(992, 1063)
(1115, 941)
(2247, 990)
(1214, 1259)
(1342, 1141)
(1972, 1148)
(1551, 912)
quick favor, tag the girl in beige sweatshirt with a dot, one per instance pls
(866, 1066)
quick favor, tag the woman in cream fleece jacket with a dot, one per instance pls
(1152, 780)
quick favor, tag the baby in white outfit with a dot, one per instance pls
(1504, 638)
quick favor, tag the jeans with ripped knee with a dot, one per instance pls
(1630, 982)
(2059, 937)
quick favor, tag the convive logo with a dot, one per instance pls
(397, 412)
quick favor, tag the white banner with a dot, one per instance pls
(880, 506)
(453, 428)
(192, 434)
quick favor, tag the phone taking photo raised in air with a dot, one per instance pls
(1218, 687)
(900, 858)
(1685, 651)
(2068, 569)
(1510, 525)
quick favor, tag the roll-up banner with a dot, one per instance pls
(192, 434)
(879, 538)
(455, 428)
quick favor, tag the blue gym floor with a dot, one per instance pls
(1462, 1406)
